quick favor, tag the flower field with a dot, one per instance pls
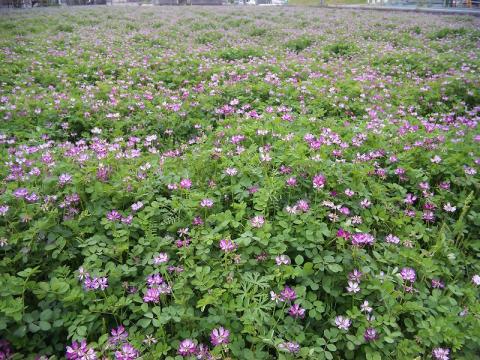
(239, 183)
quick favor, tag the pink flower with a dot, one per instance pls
(349, 192)
(288, 294)
(118, 335)
(296, 311)
(319, 181)
(80, 351)
(206, 203)
(441, 354)
(365, 203)
(282, 260)
(187, 348)
(160, 259)
(437, 284)
(302, 205)
(257, 221)
(231, 171)
(219, 336)
(291, 181)
(197, 221)
(127, 352)
(392, 239)
(227, 245)
(186, 184)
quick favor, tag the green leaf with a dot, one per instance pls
(44, 325)
(299, 260)
(334, 268)
(331, 347)
(144, 323)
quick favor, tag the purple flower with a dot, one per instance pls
(410, 199)
(291, 347)
(118, 335)
(137, 206)
(186, 184)
(441, 354)
(219, 336)
(319, 181)
(296, 311)
(370, 334)
(154, 279)
(197, 221)
(80, 351)
(4, 209)
(5, 350)
(208, 203)
(113, 215)
(152, 295)
(203, 353)
(428, 216)
(103, 173)
(437, 284)
(227, 245)
(127, 220)
(95, 283)
(288, 294)
(187, 348)
(445, 185)
(343, 323)
(64, 179)
(355, 275)
(365, 203)
(127, 352)
(20, 193)
(408, 274)
(361, 239)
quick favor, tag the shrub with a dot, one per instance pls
(299, 44)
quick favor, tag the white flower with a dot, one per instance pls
(353, 287)
(436, 159)
(343, 323)
(449, 208)
(366, 307)
(476, 279)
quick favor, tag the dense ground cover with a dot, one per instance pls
(228, 183)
